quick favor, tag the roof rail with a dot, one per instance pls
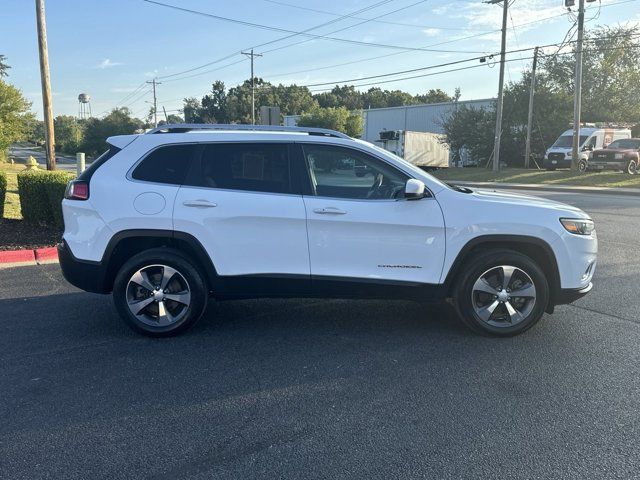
(188, 127)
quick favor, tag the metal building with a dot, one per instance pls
(417, 118)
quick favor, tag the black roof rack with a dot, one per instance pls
(189, 127)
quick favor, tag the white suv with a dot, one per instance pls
(165, 219)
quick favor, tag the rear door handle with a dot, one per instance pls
(329, 211)
(199, 203)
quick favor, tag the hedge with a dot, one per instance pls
(3, 192)
(41, 194)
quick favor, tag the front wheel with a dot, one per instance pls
(632, 167)
(501, 293)
(159, 293)
(582, 166)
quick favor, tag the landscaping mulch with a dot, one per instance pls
(19, 235)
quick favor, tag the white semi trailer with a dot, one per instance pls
(422, 149)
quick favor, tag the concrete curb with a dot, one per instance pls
(551, 188)
(19, 258)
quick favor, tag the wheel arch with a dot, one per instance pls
(535, 248)
(126, 243)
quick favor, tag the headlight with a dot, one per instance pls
(578, 226)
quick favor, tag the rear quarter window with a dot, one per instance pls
(168, 164)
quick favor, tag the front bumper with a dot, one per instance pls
(570, 295)
(86, 275)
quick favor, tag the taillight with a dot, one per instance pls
(77, 190)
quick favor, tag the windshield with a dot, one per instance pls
(626, 143)
(566, 141)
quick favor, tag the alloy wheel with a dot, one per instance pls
(158, 295)
(503, 296)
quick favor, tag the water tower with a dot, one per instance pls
(84, 106)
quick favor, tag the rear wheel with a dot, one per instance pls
(159, 293)
(632, 167)
(501, 293)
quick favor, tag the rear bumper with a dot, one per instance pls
(599, 165)
(570, 295)
(86, 275)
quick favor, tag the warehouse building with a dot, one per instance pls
(417, 118)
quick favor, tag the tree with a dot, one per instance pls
(69, 133)
(97, 130)
(214, 105)
(15, 116)
(346, 96)
(611, 74)
(470, 129)
(4, 67)
(435, 95)
(191, 110)
(339, 119)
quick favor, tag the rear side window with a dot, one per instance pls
(168, 164)
(257, 167)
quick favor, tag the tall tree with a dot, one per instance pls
(339, 119)
(15, 117)
(69, 133)
(214, 105)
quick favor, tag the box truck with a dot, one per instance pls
(422, 149)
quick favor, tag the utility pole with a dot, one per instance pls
(503, 47)
(577, 99)
(527, 150)
(251, 55)
(154, 82)
(45, 79)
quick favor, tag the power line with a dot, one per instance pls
(315, 10)
(276, 40)
(293, 32)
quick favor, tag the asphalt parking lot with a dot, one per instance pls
(325, 388)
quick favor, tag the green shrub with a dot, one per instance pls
(3, 191)
(41, 193)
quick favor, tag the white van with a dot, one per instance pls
(591, 138)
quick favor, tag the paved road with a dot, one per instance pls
(325, 389)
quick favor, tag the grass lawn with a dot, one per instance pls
(558, 177)
(12, 202)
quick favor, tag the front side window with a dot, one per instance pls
(168, 164)
(346, 173)
(257, 167)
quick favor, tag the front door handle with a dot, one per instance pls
(329, 211)
(199, 203)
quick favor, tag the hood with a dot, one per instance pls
(529, 201)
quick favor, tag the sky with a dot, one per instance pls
(110, 48)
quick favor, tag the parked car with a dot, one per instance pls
(619, 155)
(560, 154)
(166, 219)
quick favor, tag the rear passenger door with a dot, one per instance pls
(241, 202)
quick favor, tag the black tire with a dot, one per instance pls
(152, 263)
(632, 167)
(466, 299)
(582, 166)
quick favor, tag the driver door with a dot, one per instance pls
(359, 225)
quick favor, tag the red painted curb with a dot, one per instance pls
(17, 256)
(46, 255)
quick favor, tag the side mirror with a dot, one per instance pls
(588, 148)
(414, 189)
